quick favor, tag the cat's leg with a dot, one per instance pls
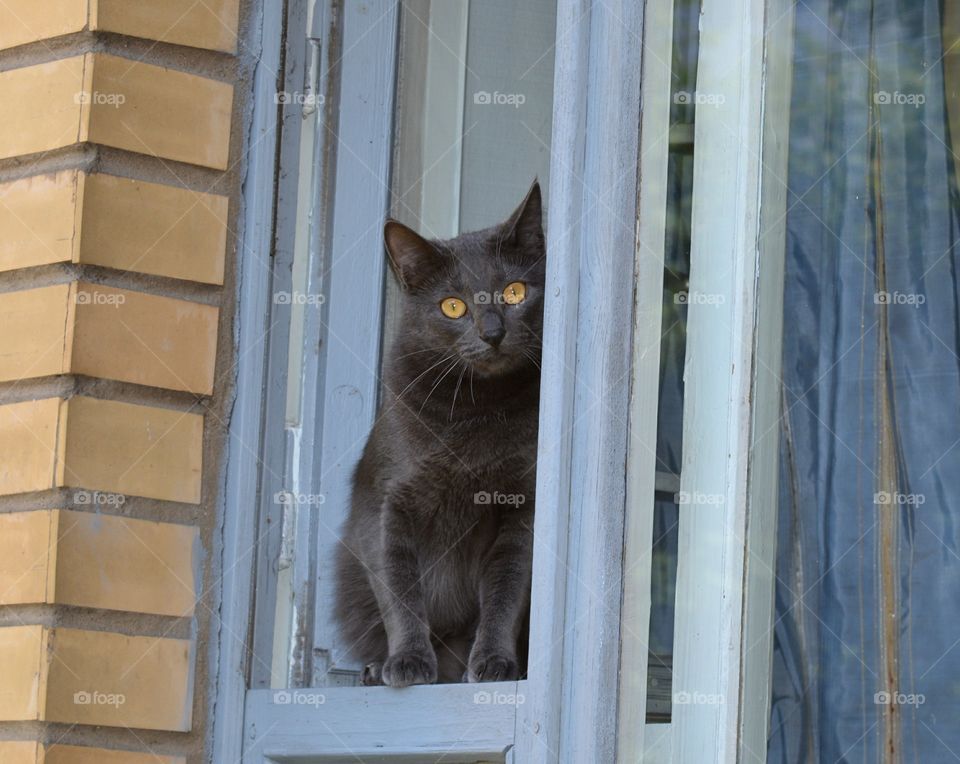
(396, 582)
(504, 599)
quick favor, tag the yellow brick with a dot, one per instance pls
(113, 222)
(23, 673)
(101, 446)
(39, 219)
(43, 107)
(145, 339)
(27, 557)
(37, 330)
(21, 752)
(136, 226)
(97, 678)
(89, 559)
(72, 754)
(23, 21)
(28, 442)
(118, 563)
(130, 449)
(160, 112)
(210, 24)
(114, 680)
(109, 333)
(116, 102)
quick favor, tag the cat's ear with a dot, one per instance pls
(524, 228)
(412, 258)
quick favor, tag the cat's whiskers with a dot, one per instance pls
(457, 390)
(436, 384)
(421, 374)
(425, 350)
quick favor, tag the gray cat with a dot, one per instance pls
(433, 574)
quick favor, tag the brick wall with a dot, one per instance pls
(121, 145)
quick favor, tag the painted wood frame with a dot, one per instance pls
(725, 577)
(634, 736)
(575, 627)
(237, 546)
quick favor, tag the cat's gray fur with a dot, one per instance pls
(433, 583)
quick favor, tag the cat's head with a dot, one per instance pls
(479, 295)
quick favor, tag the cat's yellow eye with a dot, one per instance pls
(515, 293)
(453, 307)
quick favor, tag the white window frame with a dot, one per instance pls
(591, 515)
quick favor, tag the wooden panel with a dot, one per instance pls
(581, 482)
(243, 466)
(642, 476)
(145, 339)
(28, 442)
(39, 218)
(160, 112)
(35, 341)
(130, 449)
(119, 681)
(43, 107)
(119, 563)
(27, 557)
(74, 754)
(23, 21)
(23, 672)
(725, 570)
(448, 723)
(149, 228)
(209, 24)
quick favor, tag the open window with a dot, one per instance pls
(440, 113)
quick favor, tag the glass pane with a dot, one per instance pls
(866, 656)
(472, 128)
(475, 97)
(672, 355)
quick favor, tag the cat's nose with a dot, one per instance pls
(491, 329)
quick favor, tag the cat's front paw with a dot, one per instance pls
(410, 667)
(492, 666)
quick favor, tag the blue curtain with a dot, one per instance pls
(867, 636)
